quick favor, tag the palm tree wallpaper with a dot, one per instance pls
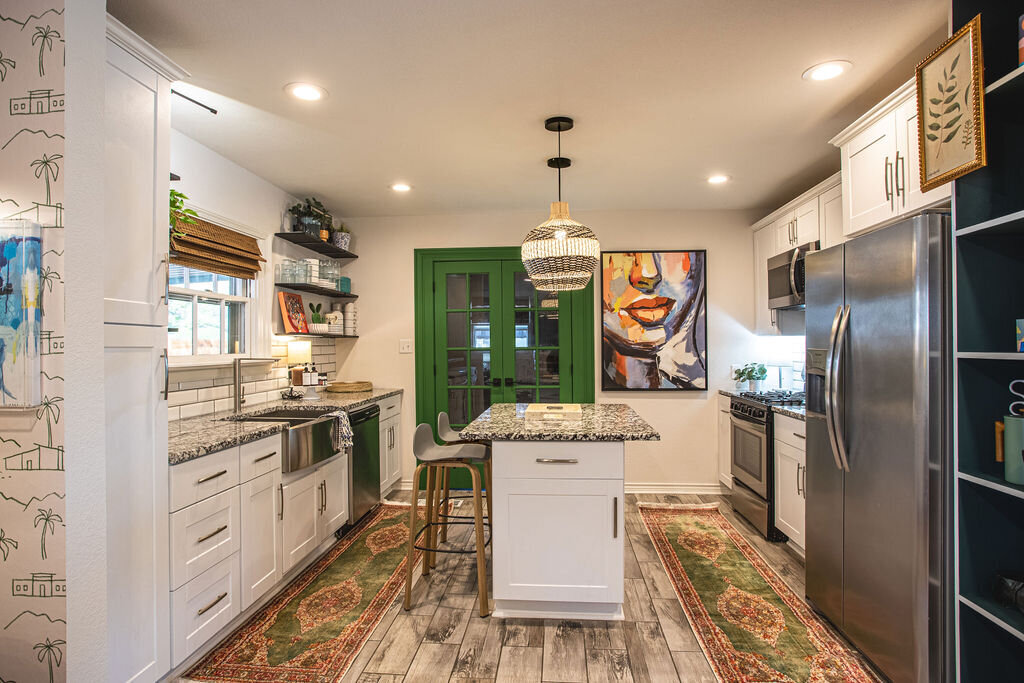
(32, 512)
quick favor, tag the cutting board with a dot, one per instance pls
(349, 387)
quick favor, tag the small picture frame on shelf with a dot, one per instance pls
(951, 109)
(1020, 335)
(292, 315)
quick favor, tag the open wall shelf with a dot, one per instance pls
(315, 289)
(990, 291)
(988, 651)
(315, 244)
(324, 334)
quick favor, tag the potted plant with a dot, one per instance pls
(179, 214)
(312, 217)
(342, 238)
(316, 319)
(753, 374)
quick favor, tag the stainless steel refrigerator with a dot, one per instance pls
(878, 438)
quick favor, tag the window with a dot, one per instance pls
(207, 313)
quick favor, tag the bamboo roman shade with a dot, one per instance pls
(216, 249)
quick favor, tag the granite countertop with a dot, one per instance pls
(799, 412)
(601, 422)
(195, 437)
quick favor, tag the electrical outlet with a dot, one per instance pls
(405, 345)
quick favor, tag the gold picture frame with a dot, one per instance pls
(950, 111)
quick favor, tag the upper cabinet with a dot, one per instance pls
(811, 217)
(880, 167)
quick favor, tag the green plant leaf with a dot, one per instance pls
(931, 136)
(934, 114)
(936, 100)
(950, 98)
(934, 126)
(951, 108)
(952, 66)
(951, 135)
(953, 121)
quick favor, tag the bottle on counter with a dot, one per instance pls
(297, 376)
(314, 376)
(306, 380)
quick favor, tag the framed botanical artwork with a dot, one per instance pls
(654, 320)
(292, 315)
(951, 109)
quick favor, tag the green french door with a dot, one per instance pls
(485, 335)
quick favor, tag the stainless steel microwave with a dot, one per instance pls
(786, 278)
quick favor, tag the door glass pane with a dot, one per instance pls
(457, 330)
(523, 294)
(547, 366)
(481, 322)
(479, 290)
(458, 408)
(547, 328)
(455, 285)
(526, 369)
(457, 367)
(524, 329)
(480, 367)
(548, 299)
(549, 396)
(234, 326)
(525, 395)
(208, 316)
(480, 401)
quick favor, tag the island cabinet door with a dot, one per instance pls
(558, 540)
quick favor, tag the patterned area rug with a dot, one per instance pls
(317, 624)
(750, 624)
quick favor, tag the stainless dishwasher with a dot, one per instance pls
(364, 473)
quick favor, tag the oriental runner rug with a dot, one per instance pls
(313, 629)
(751, 626)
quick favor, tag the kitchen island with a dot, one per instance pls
(558, 499)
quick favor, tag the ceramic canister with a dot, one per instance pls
(1013, 445)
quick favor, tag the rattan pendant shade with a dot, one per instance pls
(560, 254)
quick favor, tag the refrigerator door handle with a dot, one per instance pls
(792, 272)
(837, 407)
(829, 408)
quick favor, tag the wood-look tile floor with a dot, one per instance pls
(443, 637)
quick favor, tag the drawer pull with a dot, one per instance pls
(210, 606)
(799, 436)
(261, 459)
(210, 535)
(212, 477)
(566, 461)
(615, 517)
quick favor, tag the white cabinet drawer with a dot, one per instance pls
(560, 460)
(202, 535)
(204, 606)
(724, 402)
(259, 457)
(192, 481)
(790, 430)
(390, 406)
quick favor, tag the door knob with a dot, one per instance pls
(496, 382)
(508, 382)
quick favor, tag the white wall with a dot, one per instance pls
(685, 458)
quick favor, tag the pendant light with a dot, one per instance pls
(560, 254)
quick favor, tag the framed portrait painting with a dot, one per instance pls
(951, 109)
(654, 320)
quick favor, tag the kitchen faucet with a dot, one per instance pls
(236, 379)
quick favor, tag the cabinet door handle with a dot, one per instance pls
(615, 517)
(210, 606)
(210, 535)
(564, 461)
(323, 488)
(799, 436)
(805, 482)
(211, 477)
(888, 181)
(167, 375)
(799, 478)
(280, 515)
(261, 459)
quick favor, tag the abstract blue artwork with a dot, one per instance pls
(20, 313)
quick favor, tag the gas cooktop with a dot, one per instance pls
(775, 398)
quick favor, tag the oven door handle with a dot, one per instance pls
(829, 380)
(747, 426)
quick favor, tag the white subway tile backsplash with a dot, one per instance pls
(213, 393)
(266, 385)
(194, 409)
(222, 404)
(197, 384)
(178, 398)
(173, 413)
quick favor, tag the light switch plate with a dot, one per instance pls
(405, 345)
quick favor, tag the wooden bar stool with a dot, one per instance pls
(452, 438)
(437, 460)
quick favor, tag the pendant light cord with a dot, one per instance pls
(559, 165)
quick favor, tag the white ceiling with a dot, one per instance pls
(450, 96)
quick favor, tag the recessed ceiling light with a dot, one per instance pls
(401, 187)
(306, 91)
(717, 179)
(827, 70)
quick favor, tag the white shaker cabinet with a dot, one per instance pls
(806, 226)
(261, 553)
(724, 442)
(880, 168)
(390, 452)
(785, 234)
(764, 249)
(300, 511)
(790, 464)
(830, 213)
(332, 478)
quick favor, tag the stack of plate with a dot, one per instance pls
(351, 318)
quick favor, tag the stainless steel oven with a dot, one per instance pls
(753, 467)
(787, 278)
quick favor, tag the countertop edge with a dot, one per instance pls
(177, 456)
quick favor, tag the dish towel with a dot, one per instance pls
(342, 431)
